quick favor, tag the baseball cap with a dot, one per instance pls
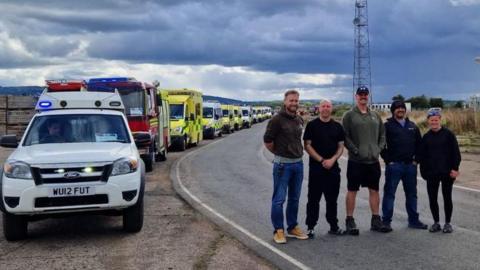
(434, 112)
(362, 90)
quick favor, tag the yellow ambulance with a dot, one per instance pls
(228, 120)
(186, 108)
(237, 117)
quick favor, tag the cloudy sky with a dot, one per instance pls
(245, 49)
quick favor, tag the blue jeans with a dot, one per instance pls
(287, 177)
(393, 174)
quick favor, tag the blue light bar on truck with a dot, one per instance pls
(111, 80)
(109, 84)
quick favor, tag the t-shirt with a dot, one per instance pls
(325, 137)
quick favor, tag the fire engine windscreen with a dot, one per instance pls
(76, 128)
(133, 100)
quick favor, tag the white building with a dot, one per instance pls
(385, 107)
(474, 102)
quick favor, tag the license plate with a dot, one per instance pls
(71, 191)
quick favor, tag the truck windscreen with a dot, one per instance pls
(207, 112)
(133, 100)
(176, 111)
(77, 128)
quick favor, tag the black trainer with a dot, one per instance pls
(447, 228)
(337, 231)
(387, 227)
(435, 227)
(377, 225)
(351, 227)
(310, 233)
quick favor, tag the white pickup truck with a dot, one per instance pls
(76, 155)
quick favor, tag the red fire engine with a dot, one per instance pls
(141, 108)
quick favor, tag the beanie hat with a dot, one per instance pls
(397, 104)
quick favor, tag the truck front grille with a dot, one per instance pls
(43, 202)
(70, 173)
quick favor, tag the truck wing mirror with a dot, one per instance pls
(9, 141)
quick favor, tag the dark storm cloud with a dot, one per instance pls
(416, 45)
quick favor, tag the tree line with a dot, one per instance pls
(423, 102)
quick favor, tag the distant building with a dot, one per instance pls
(474, 102)
(385, 107)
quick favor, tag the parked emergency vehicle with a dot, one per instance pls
(141, 108)
(254, 115)
(212, 124)
(247, 119)
(164, 141)
(260, 114)
(237, 116)
(186, 109)
(76, 155)
(228, 121)
(268, 112)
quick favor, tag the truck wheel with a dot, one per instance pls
(183, 145)
(149, 159)
(161, 156)
(220, 134)
(133, 217)
(14, 227)
(236, 127)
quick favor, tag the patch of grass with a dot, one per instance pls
(463, 123)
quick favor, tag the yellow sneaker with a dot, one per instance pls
(279, 237)
(297, 233)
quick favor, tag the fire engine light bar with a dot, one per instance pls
(110, 80)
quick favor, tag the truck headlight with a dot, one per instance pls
(124, 166)
(17, 169)
(178, 129)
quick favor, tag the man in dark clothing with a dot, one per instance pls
(403, 140)
(283, 138)
(439, 158)
(323, 139)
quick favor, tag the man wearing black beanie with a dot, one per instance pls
(403, 141)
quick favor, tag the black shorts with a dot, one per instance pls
(365, 175)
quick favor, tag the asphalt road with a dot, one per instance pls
(231, 181)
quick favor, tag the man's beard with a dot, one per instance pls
(289, 109)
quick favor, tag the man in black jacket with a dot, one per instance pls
(403, 140)
(439, 158)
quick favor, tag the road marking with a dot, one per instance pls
(230, 222)
(419, 178)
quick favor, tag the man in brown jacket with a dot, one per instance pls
(283, 139)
